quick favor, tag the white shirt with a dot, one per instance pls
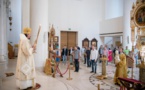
(94, 54)
(82, 50)
(71, 51)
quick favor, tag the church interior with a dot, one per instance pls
(72, 44)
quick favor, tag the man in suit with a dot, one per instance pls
(78, 47)
(88, 52)
(64, 54)
(70, 51)
(100, 52)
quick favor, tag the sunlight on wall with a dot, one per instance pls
(113, 8)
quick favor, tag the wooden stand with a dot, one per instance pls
(142, 72)
(47, 68)
(98, 86)
(103, 76)
(130, 63)
(69, 77)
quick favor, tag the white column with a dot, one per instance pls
(39, 15)
(3, 31)
(1, 28)
(3, 40)
(6, 27)
(127, 29)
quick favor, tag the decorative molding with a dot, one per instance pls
(136, 14)
(111, 33)
(137, 21)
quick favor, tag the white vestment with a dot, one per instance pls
(25, 70)
(117, 59)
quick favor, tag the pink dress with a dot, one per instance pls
(110, 56)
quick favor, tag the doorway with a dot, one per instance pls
(69, 38)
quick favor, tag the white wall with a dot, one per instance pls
(13, 36)
(113, 8)
(112, 12)
(108, 41)
(127, 29)
(112, 40)
(111, 25)
(25, 13)
(79, 15)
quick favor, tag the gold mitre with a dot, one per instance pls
(27, 30)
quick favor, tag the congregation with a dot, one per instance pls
(90, 56)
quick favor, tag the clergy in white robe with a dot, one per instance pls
(25, 69)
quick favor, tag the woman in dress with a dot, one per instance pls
(110, 55)
(106, 53)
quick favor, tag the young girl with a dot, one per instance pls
(57, 51)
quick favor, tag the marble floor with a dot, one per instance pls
(82, 80)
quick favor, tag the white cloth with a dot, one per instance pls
(24, 84)
(117, 59)
(25, 55)
(94, 54)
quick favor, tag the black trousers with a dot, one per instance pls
(88, 62)
(100, 57)
(76, 65)
(94, 66)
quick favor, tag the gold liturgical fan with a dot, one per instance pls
(50, 62)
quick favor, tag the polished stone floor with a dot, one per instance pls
(82, 80)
